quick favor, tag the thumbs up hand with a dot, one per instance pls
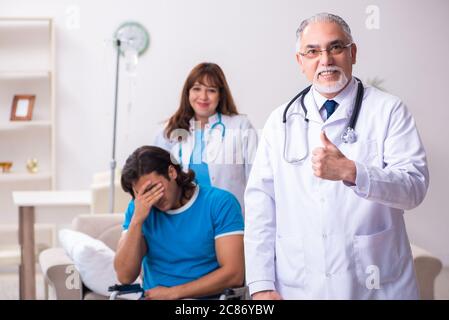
(329, 163)
(325, 140)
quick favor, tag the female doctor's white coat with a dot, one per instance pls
(229, 158)
(310, 238)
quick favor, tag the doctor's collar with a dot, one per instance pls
(211, 120)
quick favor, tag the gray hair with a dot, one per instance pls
(322, 17)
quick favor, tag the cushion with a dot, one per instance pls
(94, 261)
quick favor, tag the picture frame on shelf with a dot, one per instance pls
(22, 107)
(6, 166)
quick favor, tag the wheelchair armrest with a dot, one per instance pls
(240, 293)
(119, 289)
(126, 288)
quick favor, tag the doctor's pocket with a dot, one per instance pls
(290, 264)
(377, 258)
(362, 151)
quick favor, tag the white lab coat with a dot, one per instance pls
(229, 160)
(310, 238)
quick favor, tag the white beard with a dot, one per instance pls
(331, 88)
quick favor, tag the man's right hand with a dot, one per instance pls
(145, 198)
(267, 295)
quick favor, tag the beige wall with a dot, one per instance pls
(253, 40)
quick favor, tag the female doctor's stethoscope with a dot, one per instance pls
(219, 123)
(348, 136)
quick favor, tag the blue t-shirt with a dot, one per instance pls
(181, 243)
(197, 164)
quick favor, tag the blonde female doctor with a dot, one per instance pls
(208, 135)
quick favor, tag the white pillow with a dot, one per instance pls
(93, 259)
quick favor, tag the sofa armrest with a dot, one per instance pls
(61, 274)
(427, 268)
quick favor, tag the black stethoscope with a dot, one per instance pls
(348, 136)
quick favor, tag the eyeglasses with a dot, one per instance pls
(333, 50)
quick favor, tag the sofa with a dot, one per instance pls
(427, 268)
(57, 266)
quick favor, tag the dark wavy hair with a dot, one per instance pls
(215, 76)
(149, 159)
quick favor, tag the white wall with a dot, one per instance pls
(253, 40)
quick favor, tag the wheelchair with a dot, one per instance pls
(240, 293)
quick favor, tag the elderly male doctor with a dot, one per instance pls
(324, 218)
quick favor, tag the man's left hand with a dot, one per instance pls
(329, 163)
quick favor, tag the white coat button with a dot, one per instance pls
(322, 200)
(328, 275)
(324, 236)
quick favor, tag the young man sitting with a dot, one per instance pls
(188, 239)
